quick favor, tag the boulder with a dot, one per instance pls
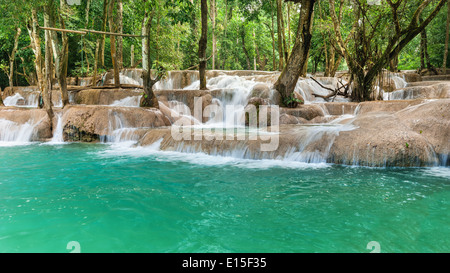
(36, 117)
(89, 123)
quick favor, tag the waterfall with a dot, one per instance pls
(118, 130)
(17, 100)
(399, 81)
(58, 137)
(12, 133)
(165, 83)
(132, 101)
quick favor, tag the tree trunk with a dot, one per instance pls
(46, 94)
(120, 38)
(86, 23)
(280, 34)
(35, 41)
(291, 72)
(214, 42)
(149, 99)
(113, 45)
(247, 56)
(59, 54)
(283, 32)
(103, 36)
(272, 32)
(363, 82)
(97, 51)
(11, 62)
(203, 43)
(424, 48)
(132, 56)
(393, 64)
(444, 63)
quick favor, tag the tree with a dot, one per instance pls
(203, 43)
(112, 38)
(366, 59)
(60, 50)
(213, 15)
(10, 69)
(46, 94)
(149, 98)
(444, 62)
(285, 84)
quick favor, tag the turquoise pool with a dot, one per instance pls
(116, 198)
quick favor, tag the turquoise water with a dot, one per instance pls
(120, 199)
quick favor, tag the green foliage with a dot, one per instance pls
(292, 101)
(176, 30)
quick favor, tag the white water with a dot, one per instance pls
(198, 158)
(19, 101)
(12, 133)
(236, 92)
(119, 130)
(127, 80)
(132, 101)
(58, 137)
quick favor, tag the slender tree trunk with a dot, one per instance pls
(86, 23)
(149, 99)
(280, 34)
(132, 56)
(422, 52)
(103, 36)
(256, 50)
(97, 51)
(444, 63)
(283, 32)
(272, 32)
(393, 64)
(214, 42)
(113, 45)
(59, 54)
(203, 43)
(424, 45)
(289, 25)
(46, 94)
(294, 66)
(120, 38)
(247, 56)
(11, 62)
(35, 40)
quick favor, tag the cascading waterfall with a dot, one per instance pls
(17, 100)
(132, 101)
(118, 130)
(58, 137)
(235, 91)
(12, 133)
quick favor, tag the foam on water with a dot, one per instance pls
(129, 149)
(438, 171)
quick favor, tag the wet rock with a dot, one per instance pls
(422, 90)
(104, 96)
(413, 136)
(36, 117)
(261, 90)
(88, 123)
(307, 111)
